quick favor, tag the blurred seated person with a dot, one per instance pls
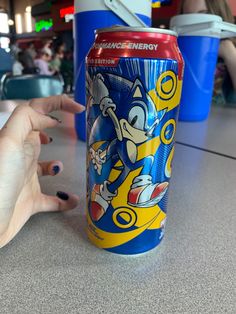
(55, 64)
(31, 50)
(225, 77)
(28, 59)
(47, 43)
(6, 62)
(14, 47)
(42, 63)
(18, 67)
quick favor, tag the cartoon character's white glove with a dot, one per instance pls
(98, 94)
(96, 88)
(97, 159)
(105, 104)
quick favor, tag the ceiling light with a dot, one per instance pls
(11, 22)
(28, 9)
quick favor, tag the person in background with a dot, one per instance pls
(47, 43)
(55, 64)
(225, 78)
(20, 169)
(14, 47)
(28, 59)
(6, 62)
(42, 64)
(18, 67)
(31, 50)
(67, 71)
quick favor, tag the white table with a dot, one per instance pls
(216, 134)
(6, 108)
(51, 267)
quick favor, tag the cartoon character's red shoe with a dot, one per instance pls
(144, 193)
(100, 200)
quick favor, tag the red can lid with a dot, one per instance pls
(118, 28)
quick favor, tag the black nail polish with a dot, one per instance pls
(63, 196)
(55, 118)
(50, 139)
(56, 169)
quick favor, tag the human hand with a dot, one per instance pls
(20, 144)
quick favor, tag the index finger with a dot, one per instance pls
(23, 121)
(56, 103)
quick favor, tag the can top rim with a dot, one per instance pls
(118, 28)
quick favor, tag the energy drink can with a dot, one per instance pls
(134, 82)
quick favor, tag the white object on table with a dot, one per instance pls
(4, 116)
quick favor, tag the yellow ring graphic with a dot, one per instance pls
(168, 167)
(166, 95)
(163, 132)
(124, 210)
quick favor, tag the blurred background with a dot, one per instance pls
(36, 29)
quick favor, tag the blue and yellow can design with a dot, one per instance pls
(132, 110)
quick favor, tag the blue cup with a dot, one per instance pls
(199, 40)
(89, 16)
(200, 56)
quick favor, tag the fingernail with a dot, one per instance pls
(63, 196)
(56, 169)
(50, 139)
(55, 118)
(82, 108)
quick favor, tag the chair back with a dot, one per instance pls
(31, 86)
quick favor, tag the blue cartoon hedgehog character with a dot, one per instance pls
(120, 141)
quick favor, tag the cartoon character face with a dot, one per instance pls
(134, 127)
(142, 117)
(134, 134)
(136, 116)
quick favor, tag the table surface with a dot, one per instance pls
(216, 134)
(51, 267)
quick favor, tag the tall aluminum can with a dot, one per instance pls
(134, 82)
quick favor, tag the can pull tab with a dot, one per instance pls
(121, 10)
